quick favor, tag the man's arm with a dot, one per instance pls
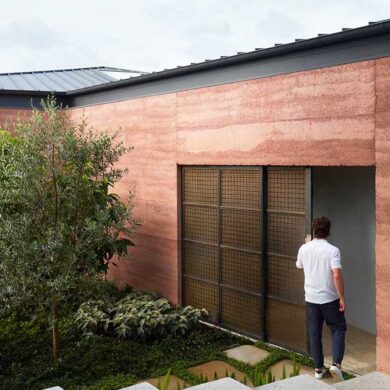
(299, 264)
(339, 283)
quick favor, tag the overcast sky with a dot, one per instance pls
(155, 34)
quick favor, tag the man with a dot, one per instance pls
(324, 295)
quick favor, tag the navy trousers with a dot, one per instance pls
(328, 312)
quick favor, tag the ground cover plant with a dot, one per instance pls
(106, 362)
(101, 361)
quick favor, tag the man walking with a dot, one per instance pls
(324, 295)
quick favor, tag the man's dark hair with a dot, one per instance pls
(321, 227)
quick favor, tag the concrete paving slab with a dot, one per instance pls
(221, 384)
(300, 382)
(219, 368)
(54, 388)
(247, 354)
(373, 381)
(140, 386)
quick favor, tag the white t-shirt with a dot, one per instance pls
(317, 258)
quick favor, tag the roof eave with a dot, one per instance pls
(317, 42)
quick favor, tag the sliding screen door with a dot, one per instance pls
(288, 221)
(241, 229)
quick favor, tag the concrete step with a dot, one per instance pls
(140, 386)
(300, 382)
(221, 384)
(373, 381)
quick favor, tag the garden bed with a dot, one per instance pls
(105, 362)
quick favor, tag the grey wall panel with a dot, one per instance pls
(346, 195)
(26, 100)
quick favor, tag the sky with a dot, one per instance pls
(151, 35)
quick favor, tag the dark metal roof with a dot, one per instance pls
(62, 80)
(298, 45)
(346, 46)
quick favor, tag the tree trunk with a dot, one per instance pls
(56, 335)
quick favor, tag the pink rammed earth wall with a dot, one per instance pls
(327, 117)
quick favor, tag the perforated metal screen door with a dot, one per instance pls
(238, 248)
(288, 221)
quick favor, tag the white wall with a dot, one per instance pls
(346, 195)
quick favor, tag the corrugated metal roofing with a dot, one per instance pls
(321, 40)
(85, 80)
(63, 80)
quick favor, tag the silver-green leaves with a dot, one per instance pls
(137, 316)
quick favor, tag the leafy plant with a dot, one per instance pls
(137, 316)
(93, 316)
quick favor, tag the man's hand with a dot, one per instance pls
(342, 305)
(307, 238)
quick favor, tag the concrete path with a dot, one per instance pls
(373, 381)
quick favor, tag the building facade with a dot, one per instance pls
(294, 114)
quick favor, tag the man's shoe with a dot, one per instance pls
(336, 372)
(319, 372)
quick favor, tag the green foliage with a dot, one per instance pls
(262, 377)
(101, 362)
(284, 375)
(60, 224)
(93, 317)
(137, 316)
(164, 385)
(112, 382)
(296, 369)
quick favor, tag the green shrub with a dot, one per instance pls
(137, 316)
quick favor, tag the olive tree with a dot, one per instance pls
(60, 223)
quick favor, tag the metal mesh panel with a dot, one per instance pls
(200, 260)
(200, 186)
(241, 228)
(286, 324)
(241, 311)
(285, 233)
(241, 270)
(285, 281)
(202, 294)
(241, 188)
(200, 223)
(286, 224)
(287, 189)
